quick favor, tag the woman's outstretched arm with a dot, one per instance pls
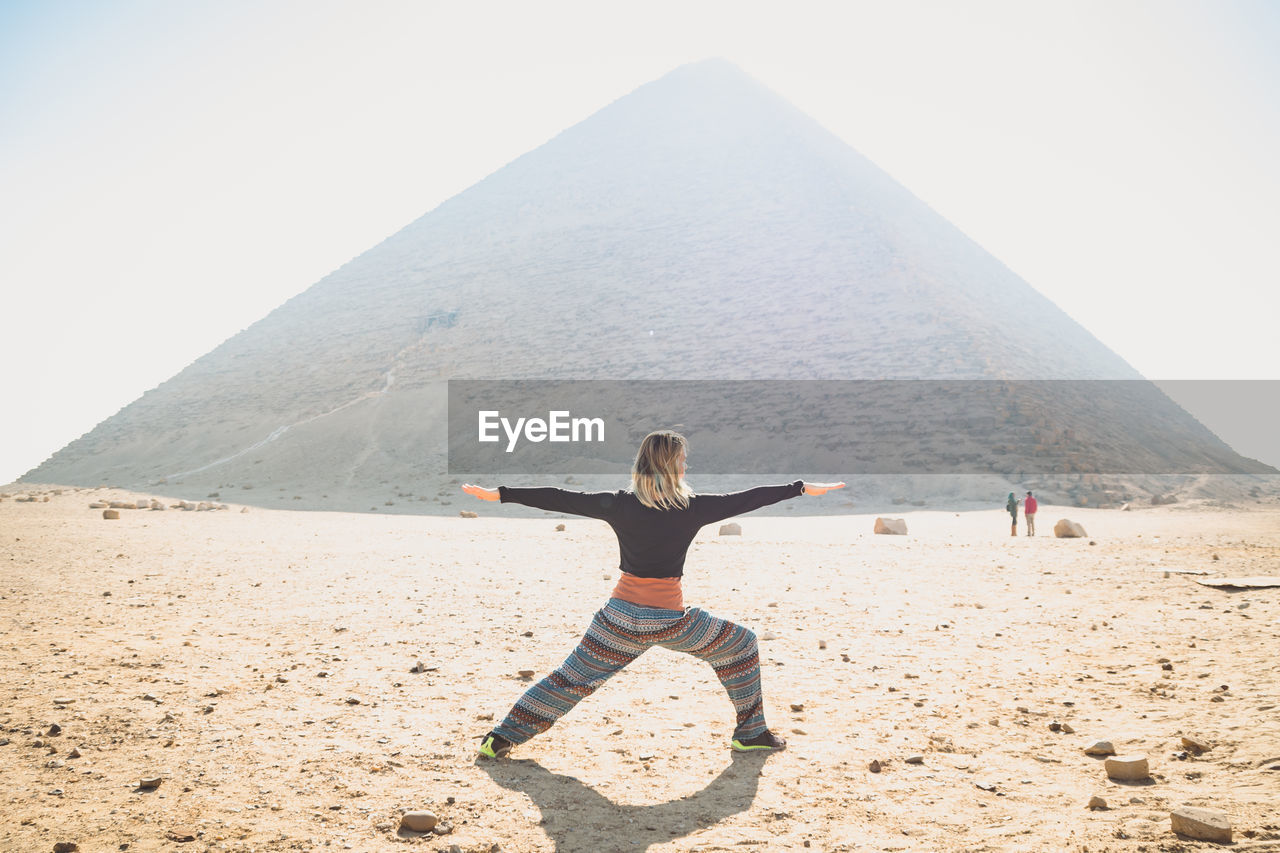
(712, 507)
(589, 504)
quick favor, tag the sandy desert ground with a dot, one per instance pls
(261, 665)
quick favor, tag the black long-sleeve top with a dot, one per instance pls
(652, 543)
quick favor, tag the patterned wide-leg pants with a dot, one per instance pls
(620, 633)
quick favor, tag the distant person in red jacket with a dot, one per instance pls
(1029, 508)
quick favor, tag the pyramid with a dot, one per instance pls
(700, 227)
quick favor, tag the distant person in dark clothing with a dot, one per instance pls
(1012, 508)
(655, 523)
(1029, 509)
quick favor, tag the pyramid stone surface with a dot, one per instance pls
(699, 227)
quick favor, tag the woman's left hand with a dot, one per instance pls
(821, 488)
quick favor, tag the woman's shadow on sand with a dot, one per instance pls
(581, 820)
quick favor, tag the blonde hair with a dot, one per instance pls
(656, 478)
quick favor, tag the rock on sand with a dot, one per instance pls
(893, 526)
(1068, 529)
(1128, 768)
(419, 821)
(1202, 824)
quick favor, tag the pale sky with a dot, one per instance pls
(170, 172)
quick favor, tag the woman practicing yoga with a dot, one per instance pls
(655, 523)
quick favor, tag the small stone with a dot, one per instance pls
(915, 759)
(466, 513)
(419, 821)
(1196, 744)
(874, 766)
(63, 701)
(1128, 768)
(110, 514)
(1067, 730)
(55, 730)
(525, 673)
(65, 847)
(1055, 726)
(733, 528)
(797, 707)
(985, 786)
(74, 753)
(38, 743)
(559, 528)
(149, 782)
(1097, 804)
(1201, 824)
(1101, 747)
(443, 828)
(353, 700)
(181, 835)
(822, 644)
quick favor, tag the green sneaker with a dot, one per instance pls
(768, 740)
(495, 746)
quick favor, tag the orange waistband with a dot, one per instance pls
(665, 593)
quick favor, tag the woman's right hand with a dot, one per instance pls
(481, 492)
(821, 488)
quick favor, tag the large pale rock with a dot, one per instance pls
(894, 526)
(1067, 529)
(1202, 824)
(110, 513)
(1100, 747)
(420, 821)
(1128, 768)
(733, 528)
